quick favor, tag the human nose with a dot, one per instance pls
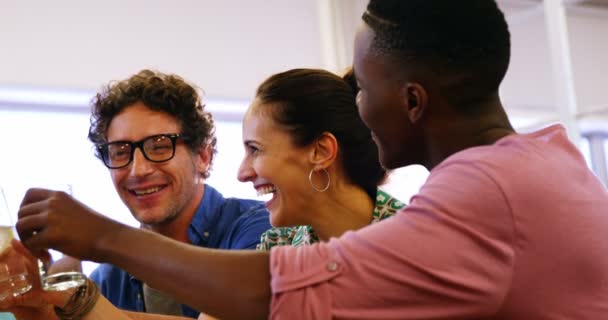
(246, 172)
(140, 166)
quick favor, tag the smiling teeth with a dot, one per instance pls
(266, 190)
(146, 191)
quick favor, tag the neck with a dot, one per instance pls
(177, 228)
(467, 131)
(342, 208)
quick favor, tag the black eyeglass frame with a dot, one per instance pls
(103, 148)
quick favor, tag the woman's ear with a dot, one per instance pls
(324, 151)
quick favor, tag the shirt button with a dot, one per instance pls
(332, 266)
(206, 234)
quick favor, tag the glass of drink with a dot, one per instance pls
(14, 278)
(64, 280)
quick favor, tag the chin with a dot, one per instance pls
(154, 220)
(147, 221)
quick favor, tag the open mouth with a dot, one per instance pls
(146, 191)
(263, 190)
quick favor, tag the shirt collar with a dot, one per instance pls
(205, 218)
(202, 222)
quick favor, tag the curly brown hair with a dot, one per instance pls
(168, 93)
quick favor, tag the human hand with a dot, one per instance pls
(36, 303)
(55, 220)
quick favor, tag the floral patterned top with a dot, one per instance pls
(386, 206)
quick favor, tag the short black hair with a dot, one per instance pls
(466, 44)
(159, 91)
(310, 102)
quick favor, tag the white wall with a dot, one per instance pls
(227, 47)
(528, 89)
(589, 43)
(528, 85)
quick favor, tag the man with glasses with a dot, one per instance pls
(153, 134)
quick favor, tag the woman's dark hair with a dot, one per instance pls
(309, 102)
(160, 92)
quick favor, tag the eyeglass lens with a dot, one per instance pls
(156, 148)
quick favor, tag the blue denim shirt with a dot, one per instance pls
(218, 223)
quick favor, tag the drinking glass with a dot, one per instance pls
(14, 278)
(58, 281)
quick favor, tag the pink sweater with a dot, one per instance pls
(515, 230)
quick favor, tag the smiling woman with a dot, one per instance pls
(306, 145)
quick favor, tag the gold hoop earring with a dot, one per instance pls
(313, 186)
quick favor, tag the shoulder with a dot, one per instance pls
(477, 167)
(231, 211)
(243, 207)
(215, 201)
(246, 211)
(245, 221)
(515, 165)
(470, 192)
(536, 150)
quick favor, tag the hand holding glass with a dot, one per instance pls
(56, 281)
(61, 280)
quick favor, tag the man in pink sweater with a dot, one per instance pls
(507, 226)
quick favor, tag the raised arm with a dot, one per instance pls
(229, 285)
(39, 304)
